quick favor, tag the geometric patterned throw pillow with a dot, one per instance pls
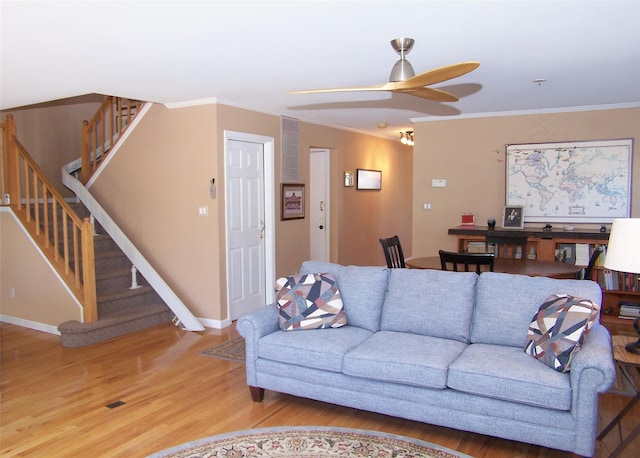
(309, 301)
(557, 330)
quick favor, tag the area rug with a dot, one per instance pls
(308, 442)
(231, 350)
(622, 385)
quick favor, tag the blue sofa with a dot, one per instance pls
(444, 348)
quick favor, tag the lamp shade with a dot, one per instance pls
(623, 250)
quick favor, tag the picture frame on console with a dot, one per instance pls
(513, 217)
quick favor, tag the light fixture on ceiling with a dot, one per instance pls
(406, 138)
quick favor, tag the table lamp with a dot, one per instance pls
(623, 254)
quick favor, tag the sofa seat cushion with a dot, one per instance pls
(318, 348)
(409, 359)
(508, 373)
(430, 302)
(362, 289)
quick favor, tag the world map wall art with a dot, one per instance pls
(577, 182)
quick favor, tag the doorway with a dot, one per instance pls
(319, 192)
(250, 221)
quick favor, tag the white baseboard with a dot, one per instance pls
(215, 324)
(36, 326)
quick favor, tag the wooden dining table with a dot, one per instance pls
(531, 267)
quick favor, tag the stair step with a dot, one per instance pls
(117, 322)
(127, 297)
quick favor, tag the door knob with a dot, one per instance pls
(321, 227)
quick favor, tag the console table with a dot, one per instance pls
(543, 245)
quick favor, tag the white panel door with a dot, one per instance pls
(245, 227)
(319, 204)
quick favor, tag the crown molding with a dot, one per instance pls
(496, 114)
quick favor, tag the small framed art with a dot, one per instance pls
(348, 179)
(512, 217)
(369, 179)
(292, 201)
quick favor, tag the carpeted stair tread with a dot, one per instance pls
(124, 293)
(113, 273)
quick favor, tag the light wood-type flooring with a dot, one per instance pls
(53, 400)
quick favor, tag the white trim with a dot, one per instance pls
(269, 208)
(49, 329)
(497, 114)
(215, 324)
(192, 103)
(46, 260)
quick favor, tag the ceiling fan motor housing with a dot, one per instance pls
(402, 70)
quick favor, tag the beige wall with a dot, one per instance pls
(152, 188)
(470, 155)
(155, 183)
(39, 294)
(50, 132)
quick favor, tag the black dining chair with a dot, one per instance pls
(507, 246)
(597, 251)
(450, 258)
(393, 252)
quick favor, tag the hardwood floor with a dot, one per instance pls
(53, 400)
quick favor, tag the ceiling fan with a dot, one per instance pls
(404, 80)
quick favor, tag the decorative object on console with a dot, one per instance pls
(513, 217)
(623, 254)
(467, 220)
(491, 223)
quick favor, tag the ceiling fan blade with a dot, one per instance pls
(438, 75)
(430, 93)
(383, 87)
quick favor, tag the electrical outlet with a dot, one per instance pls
(7, 199)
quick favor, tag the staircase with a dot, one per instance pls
(121, 309)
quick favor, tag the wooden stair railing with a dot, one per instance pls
(65, 239)
(103, 131)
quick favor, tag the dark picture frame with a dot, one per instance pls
(513, 217)
(292, 201)
(369, 179)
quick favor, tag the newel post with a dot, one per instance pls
(85, 153)
(13, 166)
(88, 272)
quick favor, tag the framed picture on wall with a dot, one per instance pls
(512, 217)
(369, 179)
(292, 201)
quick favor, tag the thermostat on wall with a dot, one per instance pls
(438, 183)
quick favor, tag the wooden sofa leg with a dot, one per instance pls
(257, 394)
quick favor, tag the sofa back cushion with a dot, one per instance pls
(430, 302)
(506, 304)
(362, 289)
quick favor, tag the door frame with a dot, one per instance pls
(268, 144)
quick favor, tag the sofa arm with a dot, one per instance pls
(596, 355)
(592, 372)
(252, 326)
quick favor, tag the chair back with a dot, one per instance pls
(597, 251)
(393, 252)
(466, 259)
(507, 246)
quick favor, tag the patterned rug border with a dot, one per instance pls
(229, 350)
(188, 449)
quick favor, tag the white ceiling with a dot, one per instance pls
(250, 54)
